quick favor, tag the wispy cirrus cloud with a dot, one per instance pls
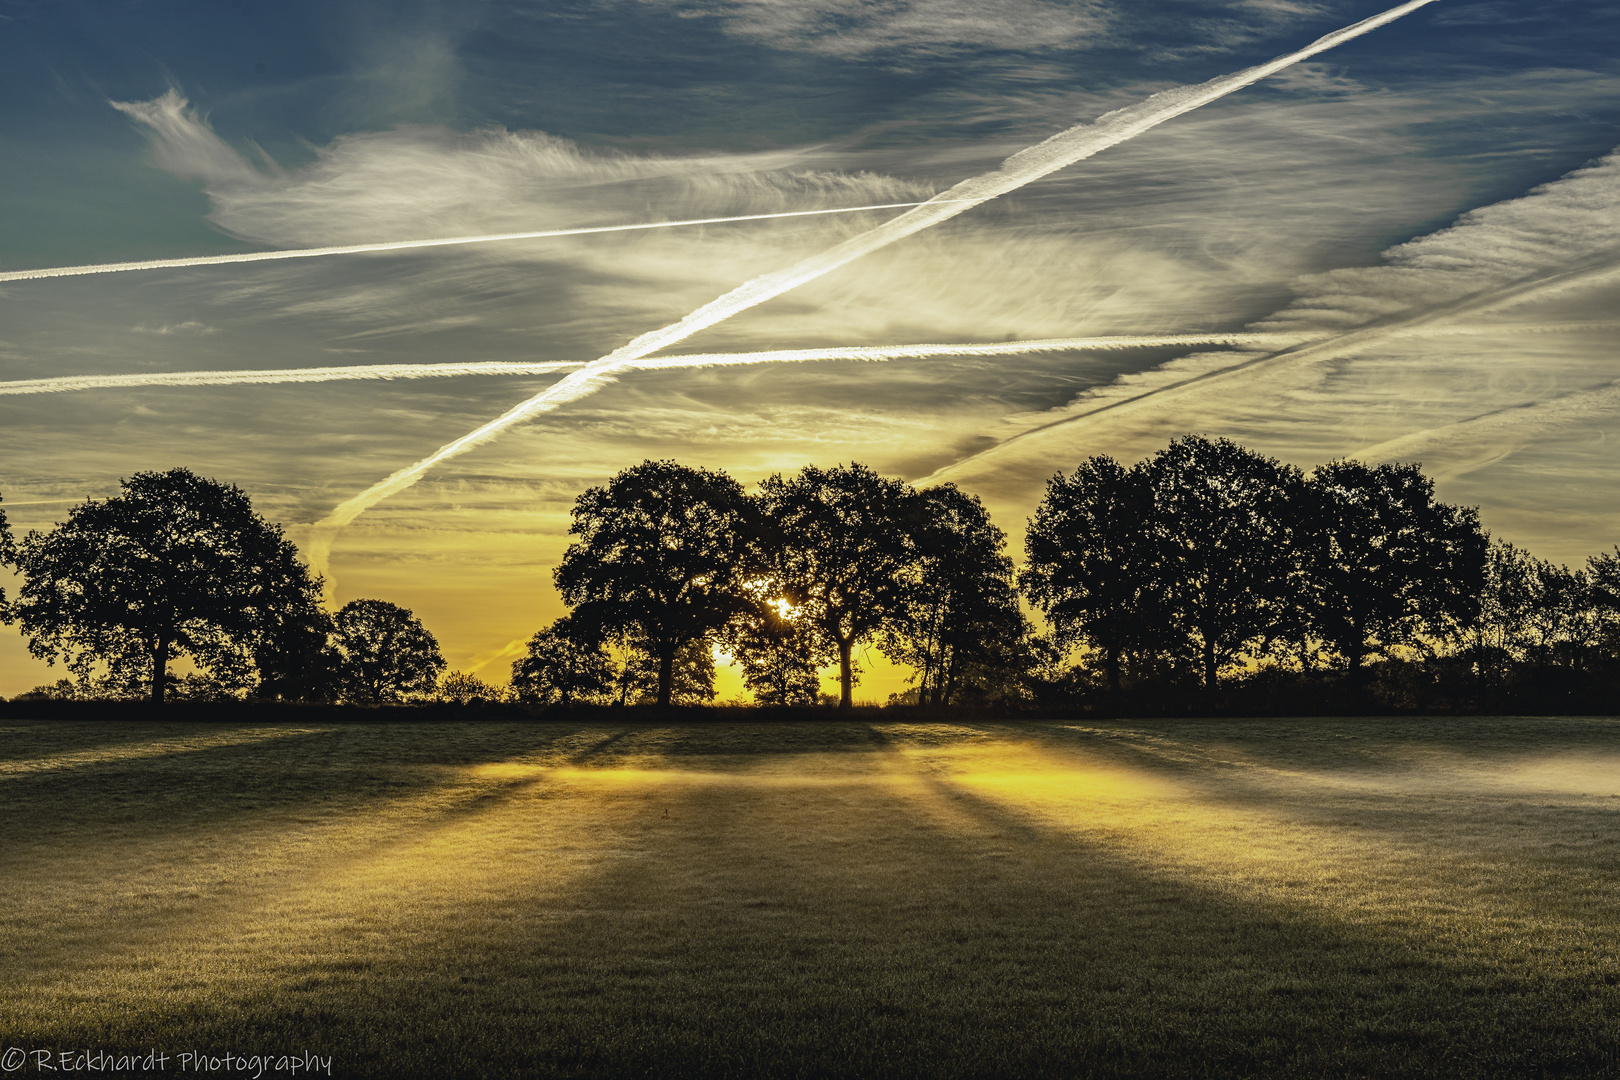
(907, 31)
(861, 28)
(1462, 347)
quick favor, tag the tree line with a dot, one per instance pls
(1204, 570)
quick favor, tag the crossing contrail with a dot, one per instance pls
(272, 376)
(407, 245)
(1059, 151)
(62, 384)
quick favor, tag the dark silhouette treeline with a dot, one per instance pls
(1205, 579)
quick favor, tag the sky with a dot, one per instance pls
(1418, 230)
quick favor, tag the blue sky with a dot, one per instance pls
(1431, 202)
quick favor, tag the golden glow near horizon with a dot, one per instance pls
(1479, 339)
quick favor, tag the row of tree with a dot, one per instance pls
(672, 561)
(180, 566)
(1204, 565)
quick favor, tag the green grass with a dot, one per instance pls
(1356, 897)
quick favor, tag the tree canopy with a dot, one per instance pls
(1222, 537)
(839, 548)
(780, 656)
(176, 565)
(387, 655)
(1384, 565)
(1091, 563)
(960, 606)
(8, 557)
(562, 666)
(665, 551)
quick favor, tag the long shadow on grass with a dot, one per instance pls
(896, 925)
(103, 857)
(901, 925)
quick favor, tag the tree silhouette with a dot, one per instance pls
(839, 553)
(1564, 622)
(1384, 564)
(780, 656)
(465, 688)
(561, 666)
(1497, 632)
(387, 654)
(175, 565)
(691, 675)
(959, 612)
(1603, 596)
(1221, 529)
(664, 553)
(1092, 564)
(8, 557)
(295, 656)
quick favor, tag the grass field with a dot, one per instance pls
(1148, 898)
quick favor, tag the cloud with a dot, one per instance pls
(1028, 165)
(189, 328)
(860, 28)
(911, 30)
(1463, 347)
(184, 144)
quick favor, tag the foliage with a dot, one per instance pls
(1383, 564)
(8, 557)
(296, 657)
(691, 674)
(463, 688)
(664, 552)
(780, 655)
(562, 666)
(177, 565)
(1092, 567)
(1223, 540)
(958, 622)
(386, 654)
(839, 548)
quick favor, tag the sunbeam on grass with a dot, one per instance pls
(1219, 898)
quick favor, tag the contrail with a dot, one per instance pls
(264, 377)
(1519, 422)
(1061, 150)
(406, 245)
(62, 384)
(1330, 347)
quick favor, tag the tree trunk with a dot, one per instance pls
(1356, 675)
(923, 683)
(1209, 662)
(666, 675)
(160, 668)
(1111, 666)
(846, 677)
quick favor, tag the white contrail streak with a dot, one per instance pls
(273, 376)
(1503, 431)
(1061, 150)
(1420, 323)
(62, 384)
(407, 245)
